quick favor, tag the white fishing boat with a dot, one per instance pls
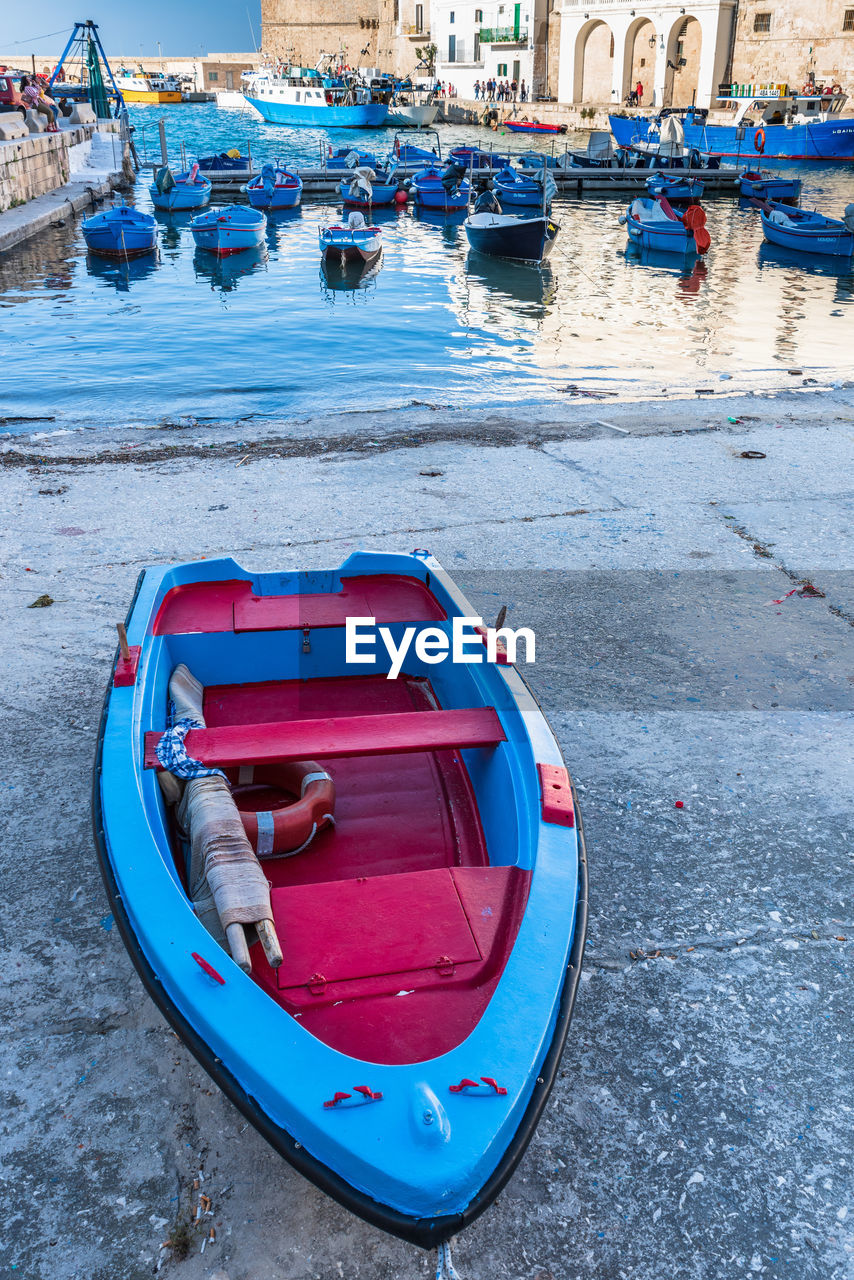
(148, 88)
(412, 109)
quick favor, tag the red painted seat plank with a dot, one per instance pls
(372, 735)
(232, 606)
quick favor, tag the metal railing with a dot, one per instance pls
(503, 35)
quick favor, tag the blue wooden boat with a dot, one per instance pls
(652, 224)
(400, 1042)
(369, 188)
(120, 232)
(808, 232)
(503, 235)
(678, 189)
(476, 159)
(226, 165)
(229, 230)
(406, 154)
(514, 188)
(351, 158)
(179, 191)
(355, 242)
(761, 186)
(274, 188)
(441, 188)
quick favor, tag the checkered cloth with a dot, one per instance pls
(172, 753)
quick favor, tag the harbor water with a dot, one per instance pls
(269, 334)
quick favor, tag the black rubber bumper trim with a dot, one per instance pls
(426, 1232)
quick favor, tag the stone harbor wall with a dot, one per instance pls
(39, 163)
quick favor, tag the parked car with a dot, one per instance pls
(10, 98)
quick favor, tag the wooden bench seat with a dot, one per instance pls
(278, 741)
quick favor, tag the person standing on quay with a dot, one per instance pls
(639, 91)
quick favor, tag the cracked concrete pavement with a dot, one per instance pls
(702, 1122)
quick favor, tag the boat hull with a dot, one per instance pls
(369, 115)
(120, 233)
(524, 126)
(381, 195)
(412, 117)
(281, 197)
(763, 188)
(826, 242)
(522, 239)
(672, 238)
(183, 195)
(150, 95)
(228, 231)
(387, 1163)
(821, 140)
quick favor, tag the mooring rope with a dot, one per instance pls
(445, 1269)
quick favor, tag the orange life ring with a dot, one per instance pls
(759, 140)
(835, 88)
(298, 800)
(808, 89)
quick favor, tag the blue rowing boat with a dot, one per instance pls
(678, 189)
(229, 230)
(369, 189)
(120, 232)
(274, 188)
(438, 188)
(476, 159)
(808, 231)
(653, 224)
(761, 186)
(179, 191)
(355, 242)
(504, 235)
(514, 188)
(359, 900)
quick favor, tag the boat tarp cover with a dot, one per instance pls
(163, 179)
(227, 884)
(671, 137)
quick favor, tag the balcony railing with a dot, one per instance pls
(412, 29)
(504, 35)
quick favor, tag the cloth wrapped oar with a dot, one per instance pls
(228, 888)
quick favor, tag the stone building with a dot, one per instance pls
(795, 43)
(679, 54)
(356, 33)
(682, 53)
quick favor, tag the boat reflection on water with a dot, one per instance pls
(690, 273)
(173, 226)
(516, 281)
(450, 224)
(774, 257)
(121, 274)
(277, 225)
(348, 277)
(225, 274)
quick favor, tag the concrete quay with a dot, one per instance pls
(701, 1124)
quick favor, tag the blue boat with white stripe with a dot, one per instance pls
(388, 999)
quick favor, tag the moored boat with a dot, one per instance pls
(762, 186)
(531, 191)
(651, 223)
(532, 126)
(502, 235)
(120, 232)
(408, 154)
(187, 190)
(305, 96)
(153, 88)
(402, 1069)
(355, 242)
(441, 188)
(229, 230)
(412, 108)
(474, 159)
(678, 189)
(367, 188)
(773, 122)
(274, 188)
(808, 231)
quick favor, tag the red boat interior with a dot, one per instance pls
(393, 925)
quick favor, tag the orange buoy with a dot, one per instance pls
(400, 196)
(759, 140)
